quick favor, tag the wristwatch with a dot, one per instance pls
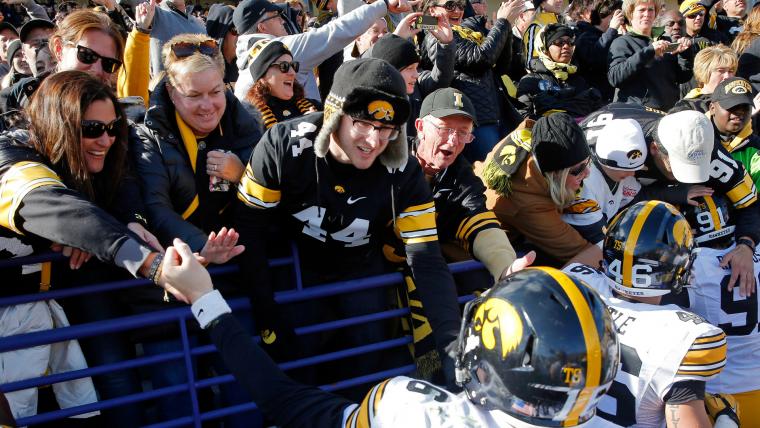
(747, 242)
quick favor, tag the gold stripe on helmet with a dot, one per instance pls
(713, 212)
(590, 337)
(633, 238)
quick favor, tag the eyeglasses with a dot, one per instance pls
(384, 133)
(284, 66)
(562, 42)
(444, 132)
(185, 49)
(580, 169)
(89, 56)
(96, 128)
(452, 5)
(695, 15)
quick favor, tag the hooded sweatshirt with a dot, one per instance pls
(218, 23)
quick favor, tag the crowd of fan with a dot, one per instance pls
(183, 120)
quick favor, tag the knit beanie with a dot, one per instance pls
(263, 54)
(368, 89)
(396, 50)
(553, 32)
(558, 143)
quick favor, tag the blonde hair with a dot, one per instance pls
(195, 63)
(560, 194)
(750, 32)
(712, 57)
(73, 27)
(630, 5)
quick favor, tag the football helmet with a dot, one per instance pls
(648, 250)
(539, 346)
(711, 222)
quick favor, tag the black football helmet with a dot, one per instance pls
(648, 250)
(711, 222)
(540, 346)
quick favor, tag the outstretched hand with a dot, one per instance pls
(519, 264)
(221, 247)
(182, 274)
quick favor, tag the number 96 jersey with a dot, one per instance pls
(736, 315)
(659, 346)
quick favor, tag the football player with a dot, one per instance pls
(332, 182)
(516, 366)
(667, 353)
(737, 315)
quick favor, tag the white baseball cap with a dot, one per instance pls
(621, 145)
(688, 138)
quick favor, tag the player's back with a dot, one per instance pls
(660, 346)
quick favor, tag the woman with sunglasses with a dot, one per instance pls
(276, 94)
(65, 183)
(475, 56)
(528, 192)
(643, 70)
(554, 84)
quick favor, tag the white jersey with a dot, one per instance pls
(736, 315)
(401, 402)
(659, 346)
(596, 203)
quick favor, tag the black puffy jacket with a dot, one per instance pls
(473, 63)
(592, 46)
(640, 77)
(168, 182)
(540, 91)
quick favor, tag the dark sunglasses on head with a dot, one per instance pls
(284, 66)
(96, 128)
(185, 49)
(89, 56)
(452, 5)
(578, 170)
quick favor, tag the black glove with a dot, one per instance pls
(278, 337)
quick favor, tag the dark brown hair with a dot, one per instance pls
(55, 115)
(260, 92)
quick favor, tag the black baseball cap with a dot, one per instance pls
(8, 26)
(31, 25)
(249, 12)
(447, 102)
(732, 92)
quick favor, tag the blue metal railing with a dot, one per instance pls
(180, 316)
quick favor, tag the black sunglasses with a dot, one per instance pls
(452, 5)
(185, 49)
(578, 170)
(96, 128)
(284, 66)
(89, 56)
(562, 42)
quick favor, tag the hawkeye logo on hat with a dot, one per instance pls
(634, 154)
(458, 100)
(381, 110)
(738, 87)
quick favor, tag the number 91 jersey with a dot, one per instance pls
(659, 346)
(736, 315)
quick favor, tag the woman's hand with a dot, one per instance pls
(510, 10)
(399, 6)
(443, 31)
(659, 47)
(221, 247)
(405, 29)
(144, 14)
(146, 236)
(76, 256)
(224, 165)
(617, 20)
(683, 45)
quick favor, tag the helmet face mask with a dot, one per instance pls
(648, 250)
(511, 356)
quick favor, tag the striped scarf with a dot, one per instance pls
(268, 117)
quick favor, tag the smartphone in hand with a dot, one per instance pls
(425, 22)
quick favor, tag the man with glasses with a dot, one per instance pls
(34, 36)
(695, 13)
(333, 182)
(259, 19)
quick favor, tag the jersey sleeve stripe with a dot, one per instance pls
(471, 224)
(591, 338)
(17, 182)
(255, 195)
(714, 338)
(418, 209)
(363, 415)
(417, 224)
(744, 193)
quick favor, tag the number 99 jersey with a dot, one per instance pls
(736, 315)
(659, 347)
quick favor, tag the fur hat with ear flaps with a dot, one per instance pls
(373, 90)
